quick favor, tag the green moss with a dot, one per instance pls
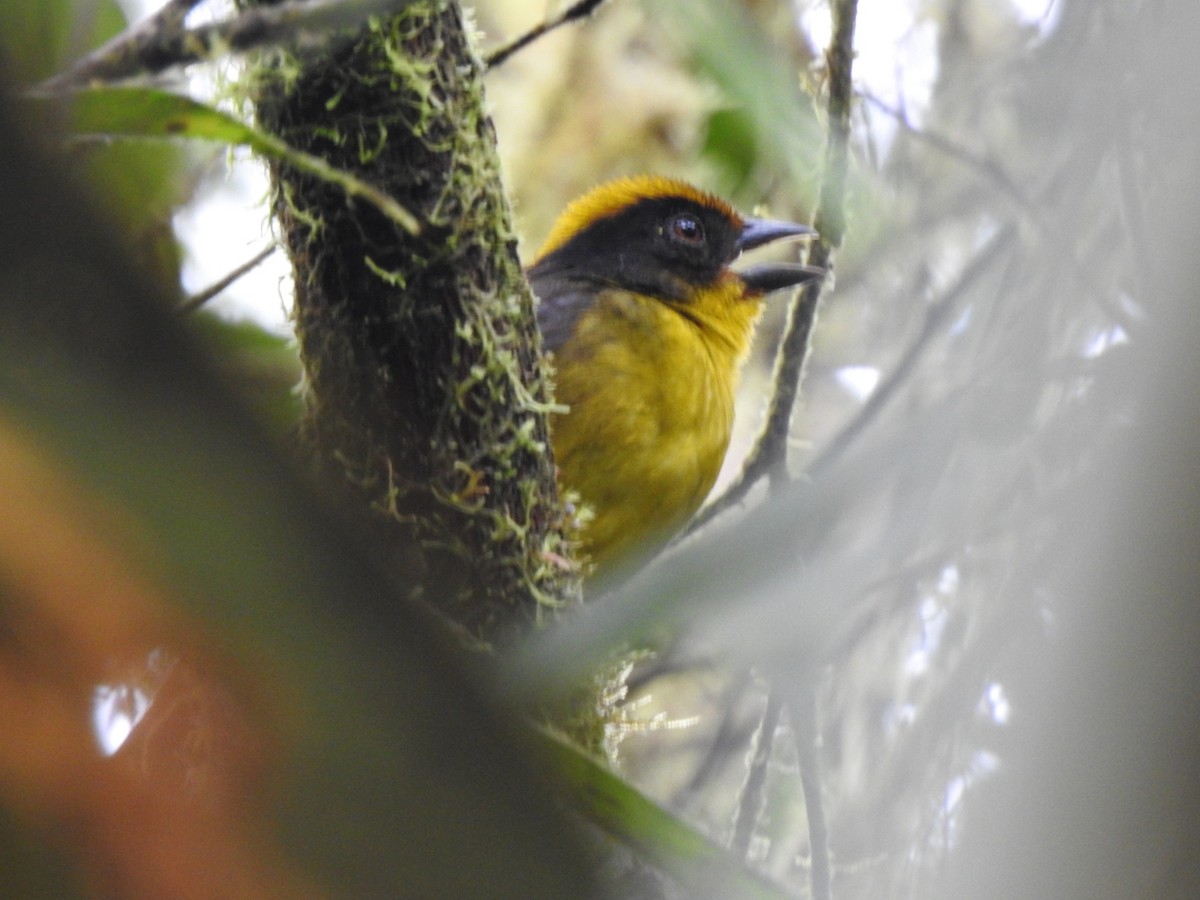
(427, 397)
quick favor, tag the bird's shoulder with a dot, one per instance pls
(561, 301)
(564, 300)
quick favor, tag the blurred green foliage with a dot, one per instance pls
(137, 185)
(261, 366)
(33, 867)
(40, 39)
(731, 141)
(774, 119)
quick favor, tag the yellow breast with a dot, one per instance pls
(650, 387)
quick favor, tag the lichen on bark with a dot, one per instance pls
(426, 393)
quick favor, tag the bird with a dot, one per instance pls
(647, 327)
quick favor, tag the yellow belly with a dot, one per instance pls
(650, 393)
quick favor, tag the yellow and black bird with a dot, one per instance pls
(648, 327)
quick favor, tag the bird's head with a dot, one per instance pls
(664, 238)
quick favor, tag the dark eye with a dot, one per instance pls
(687, 229)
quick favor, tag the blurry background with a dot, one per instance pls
(986, 573)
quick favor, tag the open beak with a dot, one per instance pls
(766, 277)
(757, 232)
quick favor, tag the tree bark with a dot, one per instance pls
(426, 391)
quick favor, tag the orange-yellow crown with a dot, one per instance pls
(613, 196)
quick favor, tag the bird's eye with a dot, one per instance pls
(688, 230)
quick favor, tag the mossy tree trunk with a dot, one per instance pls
(426, 393)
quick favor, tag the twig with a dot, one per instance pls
(830, 222)
(161, 42)
(131, 49)
(939, 313)
(581, 9)
(990, 169)
(724, 743)
(769, 454)
(750, 804)
(1035, 211)
(1133, 209)
(194, 302)
(804, 725)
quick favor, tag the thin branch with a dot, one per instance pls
(137, 42)
(1034, 210)
(1133, 213)
(750, 804)
(989, 168)
(171, 15)
(581, 9)
(725, 742)
(194, 302)
(939, 313)
(770, 452)
(1133, 208)
(768, 458)
(808, 742)
(831, 213)
(161, 42)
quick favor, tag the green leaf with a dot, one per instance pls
(702, 867)
(148, 112)
(151, 113)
